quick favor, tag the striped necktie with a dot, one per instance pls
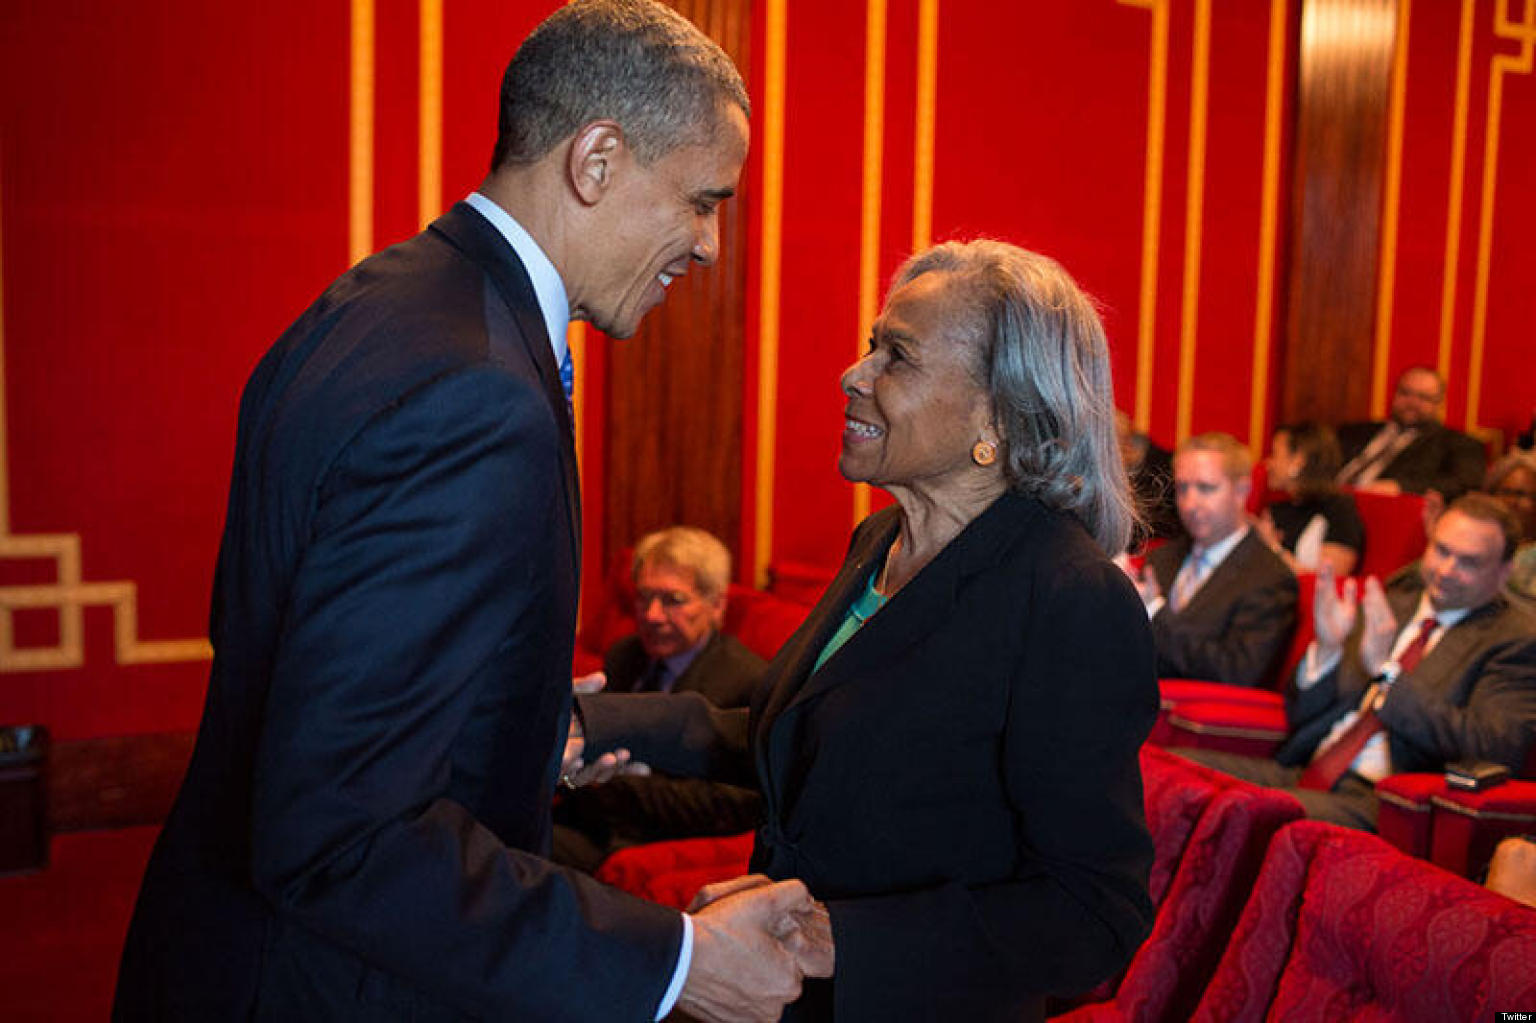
(1196, 566)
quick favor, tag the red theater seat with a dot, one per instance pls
(671, 872)
(1209, 832)
(1394, 531)
(1341, 925)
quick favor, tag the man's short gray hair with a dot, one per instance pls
(635, 62)
(1236, 461)
(689, 550)
(1042, 356)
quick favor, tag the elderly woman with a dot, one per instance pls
(1316, 524)
(947, 748)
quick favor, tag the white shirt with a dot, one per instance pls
(1374, 761)
(548, 288)
(555, 307)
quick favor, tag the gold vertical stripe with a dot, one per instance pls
(1497, 68)
(927, 113)
(1454, 201)
(429, 175)
(1152, 207)
(360, 148)
(1194, 209)
(576, 342)
(869, 216)
(1386, 279)
(1269, 215)
(769, 283)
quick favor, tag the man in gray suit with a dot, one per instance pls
(1435, 667)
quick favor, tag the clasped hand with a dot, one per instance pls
(753, 943)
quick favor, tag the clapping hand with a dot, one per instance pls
(1333, 613)
(1380, 629)
(576, 772)
(753, 942)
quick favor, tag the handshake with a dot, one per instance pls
(753, 943)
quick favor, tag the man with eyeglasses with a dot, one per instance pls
(1412, 451)
(680, 576)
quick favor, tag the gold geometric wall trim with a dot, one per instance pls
(68, 594)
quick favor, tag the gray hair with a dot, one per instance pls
(1042, 356)
(1516, 459)
(689, 550)
(635, 62)
(1236, 461)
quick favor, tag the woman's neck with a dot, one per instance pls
(928, 523)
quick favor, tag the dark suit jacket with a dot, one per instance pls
(1472, 697)
(725, 672)
(959, 781)
(630, 810)
(1236, 627)
(1439, 458)
(393, 612)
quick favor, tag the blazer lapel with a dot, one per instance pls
(1227, 576)
(473, 235)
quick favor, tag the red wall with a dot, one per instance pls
(175, 186)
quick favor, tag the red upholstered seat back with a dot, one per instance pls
(1394, 531)
(1342, 926)
(663, 870)
(762, 621)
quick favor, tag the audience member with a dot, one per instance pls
(681, 575)
(1316, 523)
(1222, 603)
(1412, 451)
(1512, 871)
(1436, 667)
(1150, 468)
(1512, 482)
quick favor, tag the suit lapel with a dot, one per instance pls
(1230, 575)
(473, 235)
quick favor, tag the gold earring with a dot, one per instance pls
(984, 452)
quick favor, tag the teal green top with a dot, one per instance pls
(860, 611)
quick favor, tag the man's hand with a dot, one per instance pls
(741, 970)
(588, 684)
(807, 935)
(1380, 629)
(1513, 870)
(1333, 615)
(576, 772)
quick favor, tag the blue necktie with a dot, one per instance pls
(568, 381)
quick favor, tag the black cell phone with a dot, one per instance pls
(1474, 775)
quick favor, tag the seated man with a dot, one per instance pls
(1412, 451)
(680, 577)
(1436, 667)
(1222, 603)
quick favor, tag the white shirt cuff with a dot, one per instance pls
(680, 974)
(1154, 606)
(1314, 668)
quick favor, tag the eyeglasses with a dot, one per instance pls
(671, 600)
(1513, 494)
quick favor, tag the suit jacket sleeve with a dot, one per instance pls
(398, 619)
(1244, 649)
(679, 733)
(1082, 700)
(1498, 721)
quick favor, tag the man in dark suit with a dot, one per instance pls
(1222, 603)
(681, 575)
(1435, 667)
(1413, 451)
(360, 830)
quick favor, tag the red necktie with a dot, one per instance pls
(1333, 760)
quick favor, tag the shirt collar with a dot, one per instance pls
(678, 663)
(1217, 552)
(548, 288)
(1445, 618)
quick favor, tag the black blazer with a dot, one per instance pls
(1236, 626)
(1439, 458)
(359, 829)
(959, 782)
(1472, 697)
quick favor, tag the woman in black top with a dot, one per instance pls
(1316, 523)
